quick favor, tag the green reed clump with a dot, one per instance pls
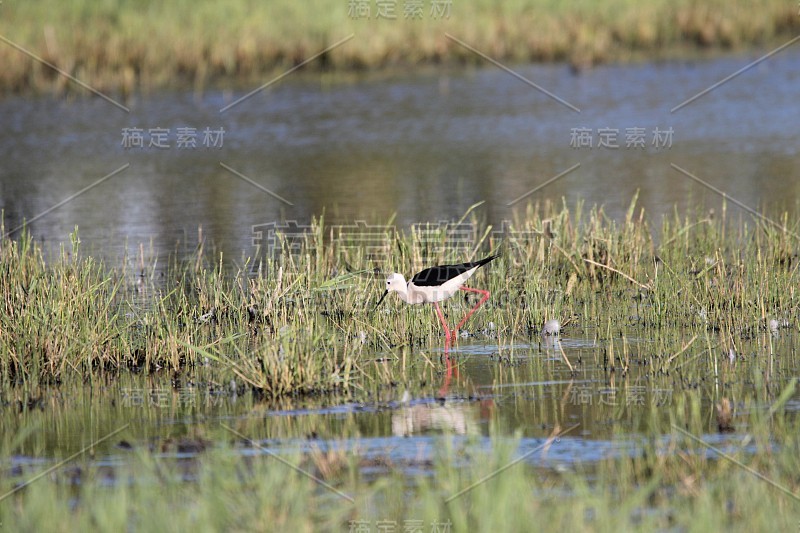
(303, 320)
(56, 318)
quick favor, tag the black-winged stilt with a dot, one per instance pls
(436, 284)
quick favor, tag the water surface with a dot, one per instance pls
(423, 146)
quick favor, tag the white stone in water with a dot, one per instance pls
(551, 328)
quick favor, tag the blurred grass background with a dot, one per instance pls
(134, 45)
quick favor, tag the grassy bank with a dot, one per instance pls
(123, 46)
(304, 321)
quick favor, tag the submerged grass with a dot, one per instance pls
(671, 481)
(126, 46)
(303, 321)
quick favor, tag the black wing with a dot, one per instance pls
(437, 275)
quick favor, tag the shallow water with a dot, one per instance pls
(490, 393)
(424, 145)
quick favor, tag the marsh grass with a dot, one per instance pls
(685, 304)
(304, 320)
(122, 46)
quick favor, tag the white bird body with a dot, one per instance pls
(436, 284)
(410, 293)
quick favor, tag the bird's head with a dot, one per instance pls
(395, 282)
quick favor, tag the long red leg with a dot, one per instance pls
(486, 295)
(444, 324)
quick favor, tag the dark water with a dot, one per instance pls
(425, 146)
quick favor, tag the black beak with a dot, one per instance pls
(382, 297)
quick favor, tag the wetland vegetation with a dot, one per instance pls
(128, 46)
(702, 305)
(303, 320)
